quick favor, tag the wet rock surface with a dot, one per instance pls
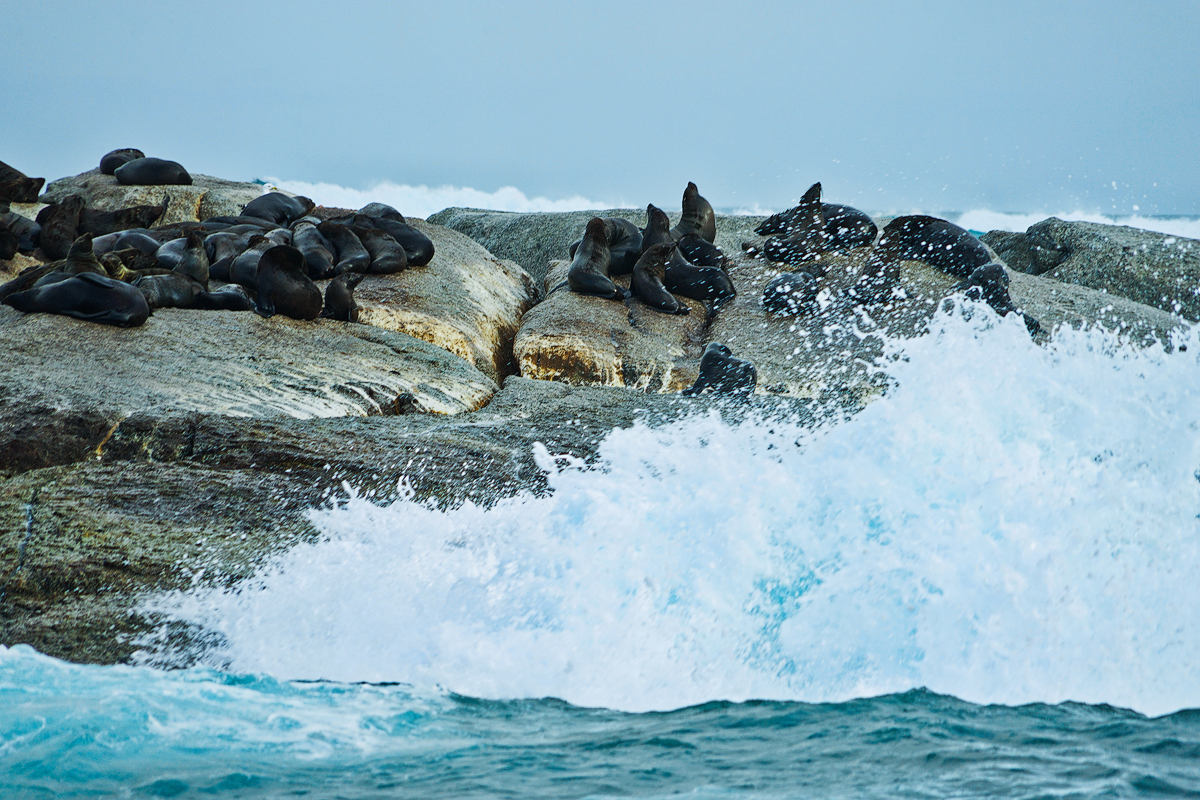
(206, 197)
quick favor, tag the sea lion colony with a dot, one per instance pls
(109, 266)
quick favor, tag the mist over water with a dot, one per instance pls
(1011, 523)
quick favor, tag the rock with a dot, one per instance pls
(217, 362)
(1150, 268)
(580, 339)
(535, 240)
(175, 499)
(465, 301)
(12, 268)
(206, 197)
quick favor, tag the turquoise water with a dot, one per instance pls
(984, 584)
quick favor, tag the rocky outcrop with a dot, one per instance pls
(1150, 268)
(206, 197)
(585, 340)
(464, 301)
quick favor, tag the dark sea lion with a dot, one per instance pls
(707, 284)
(283, 288)
(722, 373)
(97, 298)
(60, 226)
(418, 247)
(80, 259)
(658, 228)
(339, 297)
(588, 273)
(152, 172)
(349, 251)
(9, 244)
(244, 268)
(805, 238)
(169, 254)
(317, 251)
(989, 283)
(173, 290)
(26, 230)
(278, 208)
(936, 242)
(17, 187)
(122, 240)
(224, 223)
(624, 245)
(697, 217)
(230, 297)
(129, 264)
(117, 158)
(387, 256)
(701, 252)
(791, 293)
(194, 263)
(847, 226)
(134, 217)
(648, 276)
(381, 211)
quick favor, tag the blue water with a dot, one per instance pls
(983, 584)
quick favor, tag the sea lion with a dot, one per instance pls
(244, 268)
(17, 187)
(701, 252)
(134, 217)
(128, 265)
(791, 293)
(706, 284)
(169, 254)
(26, 230)
(588, 273)
(989, 283)
(847, 226)
(60, 226)
(697, 217)
(387, 256)
(278, 208)
(230, 297)
(116, 158)
(225, 223)
(97, 298)
(418, 247)
(80, 259)
(382, 211)
(648, 275)
(624, 245)
(339, 297)
(173, 290)
(194, 263)
(152, 172)
(122, 240)
(349, 251)
(283, 288)
(936, 242)
(317, 251)
(658, 228)
(9, 244)
(722, 373)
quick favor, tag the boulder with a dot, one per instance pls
(581, 339)
(206, 197)
(1154, 269)
(58, 370)
(534, 240)
(464, 301)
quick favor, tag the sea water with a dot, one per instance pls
(984, 583)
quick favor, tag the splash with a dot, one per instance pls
(1011, 523)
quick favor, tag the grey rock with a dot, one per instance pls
(206, 197)
(1151, 268)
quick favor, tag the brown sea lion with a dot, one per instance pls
(658, 228)
(588, 273)
(648, 275)
(60, 226)
(339, 297)
(152, 172)
(349, 251)
(697, 216)
(624, 245)
(17, 187)
(134, 217)
(283, 287)
(96, 298)
(722, 373)
(278, 208)
(116, 158)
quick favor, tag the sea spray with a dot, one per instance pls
(1010, 523)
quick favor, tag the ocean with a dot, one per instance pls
(984, 583)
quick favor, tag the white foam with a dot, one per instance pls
(985, 220)
(421, 201)
(1012, 523)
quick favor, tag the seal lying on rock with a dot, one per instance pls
(348, 249)
(133, 217)
(172, 290)
(791, 293)
(722, 373)
(17, 187)
(317, 251)
(936, 242)
(706, 284)
(283, 287)
(697, 217)
(117, 158)
(339, 297)
(96, 298)
(847, 226)
(278, 208)
(701, 252)
(152, 172)
(588, 273)
(989, 283)
(648, 277)
(230, 297)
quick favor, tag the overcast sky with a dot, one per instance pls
(937, 106)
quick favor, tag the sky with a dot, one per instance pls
(894, 107)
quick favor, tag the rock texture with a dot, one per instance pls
(1150, 268)
(583, 340)
(464, 301)
(206, 197)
